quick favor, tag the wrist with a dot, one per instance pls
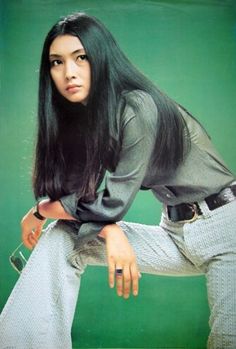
(109, 230)
(37, 213)
(53, 210)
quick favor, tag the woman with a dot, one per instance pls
(101, 118)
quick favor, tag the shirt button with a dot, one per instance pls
(168, 195)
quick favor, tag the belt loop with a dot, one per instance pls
(204, 208)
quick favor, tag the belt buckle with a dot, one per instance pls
(195, 216)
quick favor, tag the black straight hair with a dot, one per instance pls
(111, 74)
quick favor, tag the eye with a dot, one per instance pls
(55, 62)
(82, 58)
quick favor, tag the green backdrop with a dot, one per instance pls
(189, 49)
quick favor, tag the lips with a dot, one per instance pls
(72, 88)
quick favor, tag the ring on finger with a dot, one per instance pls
(119, 272)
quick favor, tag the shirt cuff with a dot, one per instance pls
(69, 203)
(89, 231)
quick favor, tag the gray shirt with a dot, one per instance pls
(201, 174)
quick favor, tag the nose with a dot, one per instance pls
(70, 70)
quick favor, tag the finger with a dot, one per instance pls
(119, 281)
(33, 239)
(126, 281)
(27, 241)
(111, 272)
(37, 233)
(35, 236)
(135, 275)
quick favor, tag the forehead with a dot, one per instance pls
(65, 44)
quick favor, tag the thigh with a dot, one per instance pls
(155, 251)
(212, 235)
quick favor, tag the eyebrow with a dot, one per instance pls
(81, 50)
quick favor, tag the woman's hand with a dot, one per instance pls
(31, 228)
(120, 255)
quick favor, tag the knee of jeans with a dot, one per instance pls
(77, 260)
(86, 253)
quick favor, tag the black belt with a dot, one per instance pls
(189, 212)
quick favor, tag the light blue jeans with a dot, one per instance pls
(43, 301)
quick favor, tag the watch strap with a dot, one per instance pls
(37, 214)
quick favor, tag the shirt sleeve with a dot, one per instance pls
(138, 129)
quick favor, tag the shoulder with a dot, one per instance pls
(138, 104)
(138, 99)
(138, 116)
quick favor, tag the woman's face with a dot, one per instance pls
(70, 68)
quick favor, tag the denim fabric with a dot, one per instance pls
(43, 301)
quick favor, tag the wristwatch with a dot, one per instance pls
(36, 212)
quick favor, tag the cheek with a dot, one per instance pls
(56, 79)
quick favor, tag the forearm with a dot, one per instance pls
(112, 231)
(53, 210)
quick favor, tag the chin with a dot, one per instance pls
(77, 100)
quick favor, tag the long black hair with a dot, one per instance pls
(111, 74)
